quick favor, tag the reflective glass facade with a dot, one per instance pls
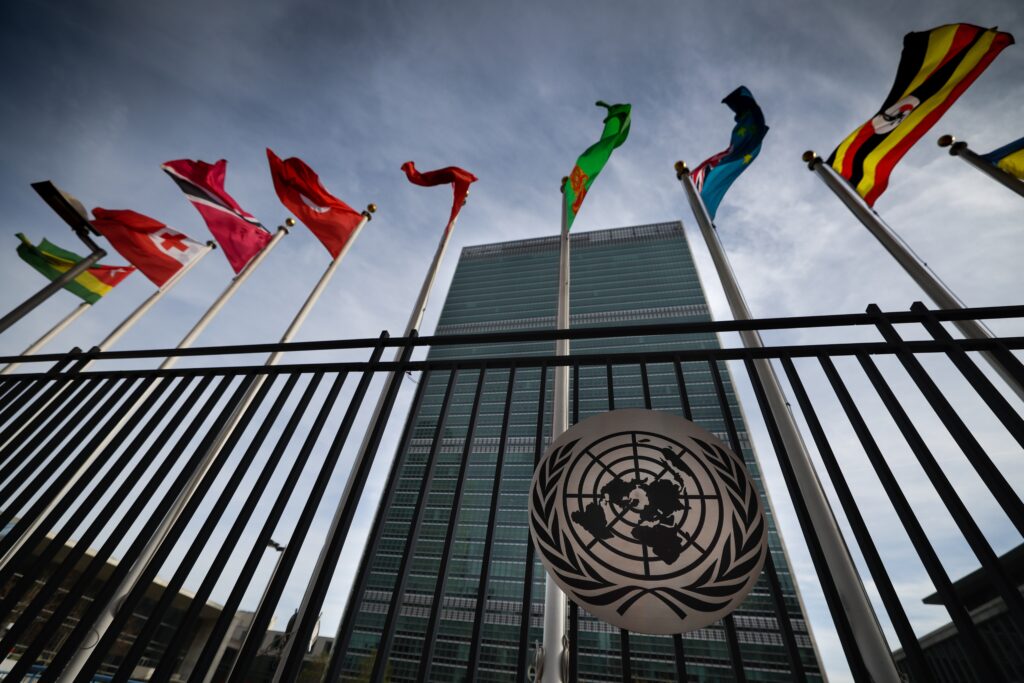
(641, 274)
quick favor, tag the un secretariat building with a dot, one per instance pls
(634, 275)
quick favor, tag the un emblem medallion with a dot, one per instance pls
(648, 521)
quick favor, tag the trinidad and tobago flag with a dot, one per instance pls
(239, 234)
(935, 69)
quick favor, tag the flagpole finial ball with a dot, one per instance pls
(371, 208)
(289, 221)
(681, 169)
(810, 158)
(946, 140)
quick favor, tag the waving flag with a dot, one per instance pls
(590, 163)
(302, 193)
(716, 174)
(1009, 157)
(935, 69)
(460, 181)
(158, 251)
(52, 261)
(239, 234)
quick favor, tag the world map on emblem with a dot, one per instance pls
(647, 521)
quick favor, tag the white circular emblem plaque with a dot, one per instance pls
(647, 521)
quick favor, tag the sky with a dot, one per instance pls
(98, 94)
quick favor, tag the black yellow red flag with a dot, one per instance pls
(935, 69)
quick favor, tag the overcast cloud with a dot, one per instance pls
(97, 94)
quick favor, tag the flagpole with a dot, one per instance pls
(331, 549)
(144, 307)
(54, 331)
(552, 656)
(866, 630)
(169, 362)
(73, 215)
(229, 292)
(935, 288)
(959, 148)
(125, 587)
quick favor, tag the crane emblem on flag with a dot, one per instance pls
(894, 115)
(648, 521)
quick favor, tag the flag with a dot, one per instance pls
(52, 261)
(590, 163)
(300, 190)
(158, 251)
(239, 234)
(935, 69)
(1009, 157)
(459, 179)
(715, 175)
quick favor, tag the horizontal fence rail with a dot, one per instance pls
(162, 524)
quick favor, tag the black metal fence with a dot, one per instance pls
(93, 459)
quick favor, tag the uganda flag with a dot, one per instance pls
(935, 69)
(590, 163)
(1009, 157)
(52, 261)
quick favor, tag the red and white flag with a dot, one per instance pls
(300, 190)
(239, 234)
(158, 251)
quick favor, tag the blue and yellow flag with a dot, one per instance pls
(1009, 157)
(714, 177)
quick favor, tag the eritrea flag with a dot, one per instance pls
(715, 175)
(52, 261)
(590, 163)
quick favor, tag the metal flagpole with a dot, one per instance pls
(551, 658)
(168, 362)
(229, 292)
(75, 217)
(959, 148)
(76, 664)
(328, 554)
(144, 307)
(935, 288)
(53, 332)
(863, 622)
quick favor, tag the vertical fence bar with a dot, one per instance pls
(527, 606)
(191, 556)
(574, 609)
(842, 624)
(969, 635)
(774, 586)
(187, 626)
(677, 640)
(473, 661)
(106, 591)
(951, 420)
(398, 592)
(948, 494)
(335, 668)
(731, 638)
(427, 655)
(919, 669)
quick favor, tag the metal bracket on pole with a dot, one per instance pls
(959, 148)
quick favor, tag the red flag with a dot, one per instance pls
(459, 178)
(239, 234)
(158, 251)
(300, 190)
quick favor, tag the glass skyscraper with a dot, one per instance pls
(624, 276)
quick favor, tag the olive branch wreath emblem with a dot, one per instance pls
(709, 592)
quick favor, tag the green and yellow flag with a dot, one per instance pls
(52, 261)
(590, 163)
